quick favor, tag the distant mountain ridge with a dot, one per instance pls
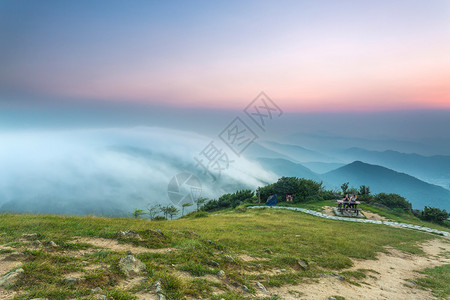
(434, 169)
(327, 140)
(382, 179)
(379, 178)
(298, 153)
(283, 167)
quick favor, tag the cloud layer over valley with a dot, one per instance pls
(107, 171)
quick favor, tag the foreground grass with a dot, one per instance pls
(275, 239)
(437, 280)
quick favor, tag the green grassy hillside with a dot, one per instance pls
(272, 247)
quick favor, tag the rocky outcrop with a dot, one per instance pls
(129, 234)
(303, 264)
(131, 266)
(31, 236)
(261, 287)
(11, 278)
(15, 256)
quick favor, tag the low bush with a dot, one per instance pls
(434, 214)
(392, 201)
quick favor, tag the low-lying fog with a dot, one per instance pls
(107, 171)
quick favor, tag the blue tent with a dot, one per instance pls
(272, 200)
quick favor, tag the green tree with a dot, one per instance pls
(184, 205)
(302, 189)
(352, 191)
(434, 214)
(172, 211)
(286, 186)
(364, 190)
(153, 211)
(230, 200)
(364, 193)
(392, 201)
(344, 187)
(137, 213)
(164, 210)
(308, 190)
(200, 201)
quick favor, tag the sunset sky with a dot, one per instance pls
(311, 56)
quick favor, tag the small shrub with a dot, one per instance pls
(335, 261)
(392, 201)
(197, 269)
(241, 208)
(434, 214)
(200, 214)
(173, 286)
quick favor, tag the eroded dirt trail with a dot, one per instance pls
(392, 271)
(114, 245)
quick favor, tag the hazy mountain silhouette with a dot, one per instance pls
(322, 167)
(381, 179)
(283, 167)
(298, 153)
(434, 169)
(256, 150)
(327, 141)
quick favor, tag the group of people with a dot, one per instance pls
(349, 201)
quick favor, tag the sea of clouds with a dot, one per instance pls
(108, 171)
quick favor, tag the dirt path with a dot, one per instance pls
(115, 246)
(392, 271)
(373, 216)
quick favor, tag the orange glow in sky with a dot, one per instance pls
(321, 56)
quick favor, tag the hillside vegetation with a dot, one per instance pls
(228, 255)
(380, 179)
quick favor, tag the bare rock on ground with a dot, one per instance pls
(129, 234)
(11, 278)
(303, 264)
(131, 266)
(15, 256)
(260, 286)
(31, 236)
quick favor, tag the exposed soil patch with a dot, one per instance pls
(188, 276)
(7, 295)
(328, 210)
(130, 282)
(392, 269)
(247, 258)
(147, 296)
(6, 266)
(115, 246)
(373, 216)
